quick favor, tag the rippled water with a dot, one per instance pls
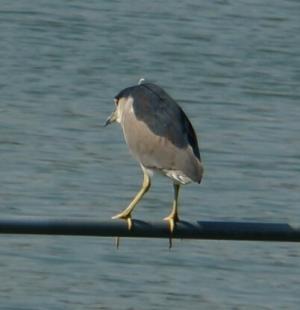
(234, 68)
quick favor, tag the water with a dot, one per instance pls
(234, 68)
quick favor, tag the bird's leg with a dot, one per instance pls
(126, 213)
(172, 218)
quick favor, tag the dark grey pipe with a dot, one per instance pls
(186, 230)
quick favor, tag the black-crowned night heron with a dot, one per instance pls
(161, 138)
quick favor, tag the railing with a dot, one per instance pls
(217, 230)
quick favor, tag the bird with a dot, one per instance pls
(161, 138)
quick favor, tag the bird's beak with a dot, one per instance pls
(111, 119)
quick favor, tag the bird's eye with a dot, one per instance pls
(116, 101)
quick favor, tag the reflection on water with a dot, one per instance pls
(234, 67)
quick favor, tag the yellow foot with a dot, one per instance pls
(172, 219)
(126, 217)
(123, 216)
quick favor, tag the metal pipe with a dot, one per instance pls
(217, 230)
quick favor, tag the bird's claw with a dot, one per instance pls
(126, 217)
(171, 223)
(129, 223)
(172, 219)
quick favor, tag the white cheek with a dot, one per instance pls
(124, 107)
(119, 116)
(129, 104)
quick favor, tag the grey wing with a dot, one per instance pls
(164, 117)
(159, 134)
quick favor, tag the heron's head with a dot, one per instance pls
(121, 104)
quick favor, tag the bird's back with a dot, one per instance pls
(165, 138)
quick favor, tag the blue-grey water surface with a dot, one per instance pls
(234, 66)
